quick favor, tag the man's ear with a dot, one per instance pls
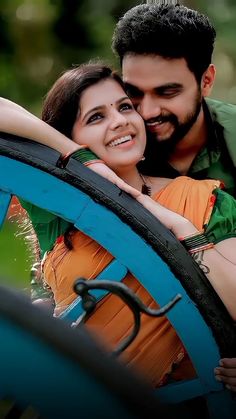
(208, 79)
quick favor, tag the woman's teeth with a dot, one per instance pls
(121, 140)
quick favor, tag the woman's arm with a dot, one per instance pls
(218, 263)
(18, 121)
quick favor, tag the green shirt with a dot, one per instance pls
(213, 161)
(48, 227)
(222, 224)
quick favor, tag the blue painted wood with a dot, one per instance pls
(5, 199)
(114, 271)
(55, 385)
(131, 251)
(41, 188)
(158, 279)
(173, 393)
(221, 405)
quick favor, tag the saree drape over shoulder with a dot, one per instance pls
(157, 347)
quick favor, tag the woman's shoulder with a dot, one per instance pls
(199, 182)
(182, 182)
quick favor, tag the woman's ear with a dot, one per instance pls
(208, 79)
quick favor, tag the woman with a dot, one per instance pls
(16, 120)
(88, 104)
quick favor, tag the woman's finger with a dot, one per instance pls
(228, 362)
(226, 372)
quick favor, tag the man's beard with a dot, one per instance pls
(165, 147)
(157, 153)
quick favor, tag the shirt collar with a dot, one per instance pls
(211, 152)
(214, 130)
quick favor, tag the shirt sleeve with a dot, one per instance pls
(47, 226)
(36, 214)
(222, 224)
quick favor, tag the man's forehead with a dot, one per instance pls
(147, 62)
(153, 71)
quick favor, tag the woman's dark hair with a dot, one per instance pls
(61, 105)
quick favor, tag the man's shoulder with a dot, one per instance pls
(224, 114)
(220, 109)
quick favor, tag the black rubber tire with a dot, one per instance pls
(78, 347)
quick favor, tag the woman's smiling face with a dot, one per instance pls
(108, 124)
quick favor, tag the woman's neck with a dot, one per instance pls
(131, 176)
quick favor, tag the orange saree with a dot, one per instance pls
(157, 347)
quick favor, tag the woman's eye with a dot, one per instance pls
(94, 118)
(126, 106)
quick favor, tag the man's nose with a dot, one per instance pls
(148, 108)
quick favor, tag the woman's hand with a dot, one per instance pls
(108, 174)
(226, 373)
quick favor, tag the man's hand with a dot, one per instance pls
(226, 373)
(107, 173)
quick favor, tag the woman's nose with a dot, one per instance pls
(118, 120)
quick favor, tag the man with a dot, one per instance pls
(165, 51)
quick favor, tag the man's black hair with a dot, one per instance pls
(171, 31)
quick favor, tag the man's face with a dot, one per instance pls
(165, 93)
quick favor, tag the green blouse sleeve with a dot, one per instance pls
(222, 224)
(47, 226)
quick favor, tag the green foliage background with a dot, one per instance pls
(41, 38)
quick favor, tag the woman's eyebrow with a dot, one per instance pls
(123, 98)
(100, 107)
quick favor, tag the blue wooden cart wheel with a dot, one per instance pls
(61, 372)
(113, 218)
